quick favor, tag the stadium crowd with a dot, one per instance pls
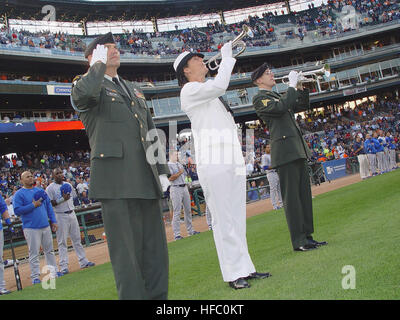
(321, 20)
(75, 166)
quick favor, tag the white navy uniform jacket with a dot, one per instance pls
(212, 125)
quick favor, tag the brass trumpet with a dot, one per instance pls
(236, 43)
(310, 76)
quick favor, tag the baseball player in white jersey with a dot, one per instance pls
(179, 194)
(68, 225)
(223, 180)
(273, 179)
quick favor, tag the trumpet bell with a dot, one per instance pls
(237, 43)
(248, 31)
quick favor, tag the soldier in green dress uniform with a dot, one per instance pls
(117, 120)
(289, 151)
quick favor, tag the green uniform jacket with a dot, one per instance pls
(117, 125)
(277, 111)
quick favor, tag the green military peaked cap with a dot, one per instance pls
(103, 39)
(259, 71)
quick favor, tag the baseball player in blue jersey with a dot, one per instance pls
(391, 151)
(382, 141)
(359, 151)
(6, 218)
(33, 206)
(370, 150)
(380, 153)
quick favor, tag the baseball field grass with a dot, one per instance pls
(361, 223)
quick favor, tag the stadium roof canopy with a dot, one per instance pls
(75, 10)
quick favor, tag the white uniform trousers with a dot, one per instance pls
(36, 238)
(274, 189)
(392, 157)
(380, 160)
(68, 226)
(364, 165)
(386, 160)
(224, 187)
(372, 162)
(178, 196)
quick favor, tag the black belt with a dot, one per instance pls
(67, 212)
(179, 185)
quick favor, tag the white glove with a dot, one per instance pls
(293, 79)
(301, 77)
(226, 50)
(99, 54)
(164, 182)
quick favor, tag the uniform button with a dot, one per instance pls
(132, 103)
(113, 99)
(142, 139)
(101, 155)
(284, 137)
(141, 126)
(136, 115)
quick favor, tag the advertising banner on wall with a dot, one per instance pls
(335, 169)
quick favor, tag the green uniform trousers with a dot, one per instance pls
(138, 247)
(297, 200)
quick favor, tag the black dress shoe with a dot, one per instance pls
(316, 243)
(258, 275)
(306, 247)
(240, 283)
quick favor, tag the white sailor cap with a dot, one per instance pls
(183, 58)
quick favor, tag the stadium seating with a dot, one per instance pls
(322, 20)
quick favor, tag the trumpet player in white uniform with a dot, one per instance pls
(220, 164)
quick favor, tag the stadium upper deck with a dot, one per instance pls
(270, 30)
(76, 10)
